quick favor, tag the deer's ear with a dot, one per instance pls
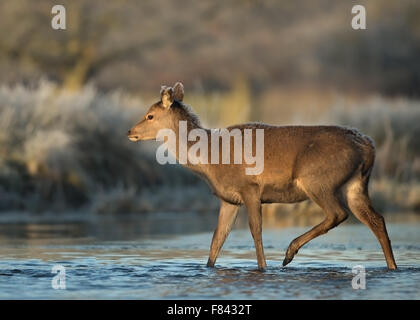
(167, 96)
(178, 91)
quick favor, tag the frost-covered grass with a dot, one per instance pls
(64, 150)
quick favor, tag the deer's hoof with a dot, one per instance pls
(289, 257)
(210, 264)
(290, 253)
(261, 269)
(287, 260)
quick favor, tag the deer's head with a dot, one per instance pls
(159, 116)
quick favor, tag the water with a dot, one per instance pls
(164, 256)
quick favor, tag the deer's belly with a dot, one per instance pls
(289, 193)
(275, 192)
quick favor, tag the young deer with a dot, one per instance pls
(330, 165)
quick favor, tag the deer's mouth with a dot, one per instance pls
(134, 137)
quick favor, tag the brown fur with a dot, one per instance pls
(330, 165)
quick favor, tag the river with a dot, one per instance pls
(164, 256)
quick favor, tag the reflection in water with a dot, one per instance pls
(112, 227)
(163, 256)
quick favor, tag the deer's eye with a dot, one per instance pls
(150, 117)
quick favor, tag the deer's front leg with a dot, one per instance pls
(255, 224)
(227, 216)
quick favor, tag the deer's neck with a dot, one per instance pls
(188, 133)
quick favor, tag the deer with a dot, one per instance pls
(328, 164)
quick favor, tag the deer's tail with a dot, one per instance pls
(368, 147)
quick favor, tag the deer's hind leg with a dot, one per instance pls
(335, 213)
(360, 205)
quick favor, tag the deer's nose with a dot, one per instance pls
(128, 132)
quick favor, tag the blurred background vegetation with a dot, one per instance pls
(67, 97)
